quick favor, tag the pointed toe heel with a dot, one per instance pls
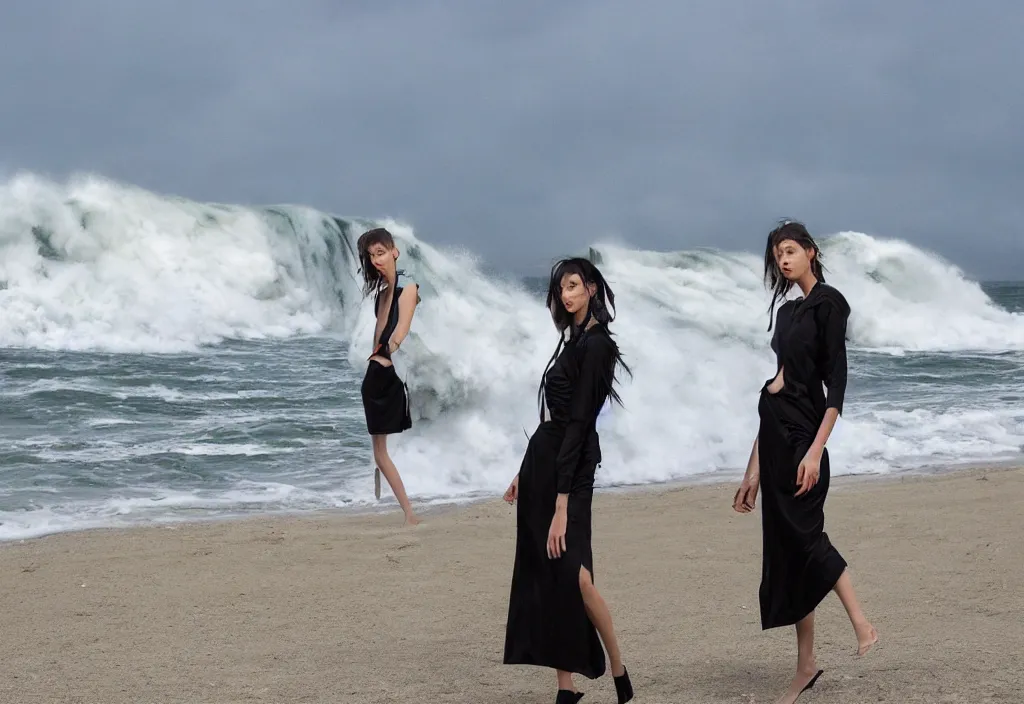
(623, 687)
(567, 696)
(810, 685)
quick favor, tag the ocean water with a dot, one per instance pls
(162, 359)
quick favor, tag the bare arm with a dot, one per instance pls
(378, 325)
(406, 309)
(754, 462)
(824, 430)
(746, 496)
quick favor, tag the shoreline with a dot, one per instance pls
(447, 505)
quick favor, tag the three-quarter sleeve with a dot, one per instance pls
(588, 395)
(834, 354)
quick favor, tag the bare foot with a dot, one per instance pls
(803, 680)
(412, 521)
(867, 636)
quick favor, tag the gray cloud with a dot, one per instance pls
(526, 130)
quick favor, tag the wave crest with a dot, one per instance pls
(94, 265)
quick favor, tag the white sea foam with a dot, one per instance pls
(98, 266)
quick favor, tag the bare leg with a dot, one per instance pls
(867, 636)
(565, 680)
(601, 617)
(390, 472)
(806, 667)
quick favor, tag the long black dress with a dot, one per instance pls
(800, 565)
(547, 622)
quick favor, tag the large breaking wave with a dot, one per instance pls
(93, 265)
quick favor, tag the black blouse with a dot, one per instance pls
(575, 388)
(810, 343)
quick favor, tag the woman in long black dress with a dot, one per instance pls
(385, 397)
(789, 461)
(555, 612)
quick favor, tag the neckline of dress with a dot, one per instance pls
(810, 293)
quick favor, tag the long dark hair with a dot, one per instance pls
(373, 280)
(778, 284)
(601, 308)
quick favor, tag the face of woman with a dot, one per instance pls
(576, 296)
(383, 258)
(794, 261)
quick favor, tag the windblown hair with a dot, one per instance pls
(601, 308)
(778, 284)
(372, 279)
(589, 274)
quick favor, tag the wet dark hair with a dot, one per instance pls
(778, 284)
(372, 279)
(601, 308)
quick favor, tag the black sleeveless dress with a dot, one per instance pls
(800, 566)
(547, 622)
(385, 395)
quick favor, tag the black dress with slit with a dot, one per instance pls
(385, 396)
(547, 622)
(800, 566)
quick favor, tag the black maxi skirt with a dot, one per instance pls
(800, 566)
(548, 624)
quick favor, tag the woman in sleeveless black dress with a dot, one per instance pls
(385, 397)
(789, 461)
(555, 613)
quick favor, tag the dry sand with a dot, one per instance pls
(344, 608)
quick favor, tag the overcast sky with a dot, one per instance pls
(527, 129)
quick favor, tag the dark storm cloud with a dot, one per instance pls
(525, 130)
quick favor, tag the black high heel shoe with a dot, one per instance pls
(623, 687)
(810, 685)
(567, 696)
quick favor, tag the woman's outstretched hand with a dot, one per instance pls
(746, 495)
(512, 493)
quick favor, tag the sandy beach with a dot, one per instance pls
(355, 608)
